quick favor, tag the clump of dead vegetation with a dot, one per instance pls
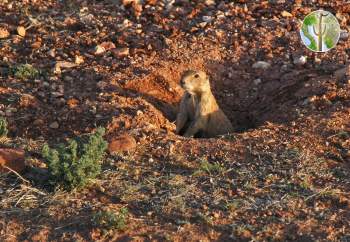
(75, 164)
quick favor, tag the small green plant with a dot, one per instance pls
(343, 134)
(110, 220)
(209, 168)
(3, 127)
(25, 72)
(306, 184)
(233, 205)
(73, 165)
(202, 218)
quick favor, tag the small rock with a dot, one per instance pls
(229, 75)
(300, 60)
(344, 35)
(63, 64)
(36, 45)
(209, 2)
(56, 95)
(257, 81)
(245, 9)
(68, 78)
(54, 125)
(121, 143)
(137, 6)
(38, 122)
(168, 41)
(108, 45)
(220, 33)
(126, 23)
(87, 19)
(4, 33)
(21, 31)
(99, 50)
(120, 52)
(286, 14)
(284, 67)
(220, 15)
(261, 65)
(342, 18)
(169, 5)
(12, 158)
(52, 53)
(79, 59)
(207, 19)
(202, 24)
(222, 5)
(317, 60)
(66, 64)
(68, 21)
(103, 47)
(57, 70)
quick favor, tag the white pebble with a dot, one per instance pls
(261, 65)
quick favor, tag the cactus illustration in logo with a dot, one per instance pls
(320, 31)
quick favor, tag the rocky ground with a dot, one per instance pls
(284, 175)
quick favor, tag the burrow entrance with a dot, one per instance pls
(248, 98)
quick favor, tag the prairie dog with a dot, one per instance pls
(199, 114)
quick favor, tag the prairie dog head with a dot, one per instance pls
(195, 81)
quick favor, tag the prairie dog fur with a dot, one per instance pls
(199, 114)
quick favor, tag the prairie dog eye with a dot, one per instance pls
(196, 76)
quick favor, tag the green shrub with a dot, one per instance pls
(25, 72)
(110, 220)
(76, 163)
(3, 127)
